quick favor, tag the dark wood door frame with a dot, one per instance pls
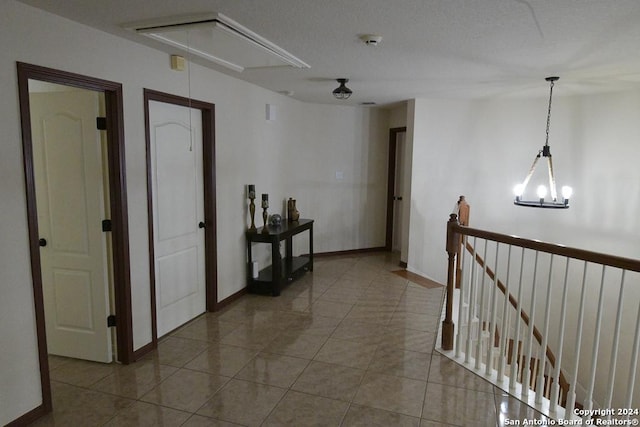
(209, 181)
(391, 183)
(118, 196)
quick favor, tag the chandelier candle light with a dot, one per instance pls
(542, 190)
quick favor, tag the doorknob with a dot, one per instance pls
(42, 242)
(201, 224)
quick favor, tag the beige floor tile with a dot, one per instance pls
(401, 363)
(352, 283)
(142, 414)
(296, 344)
(185, 390)
(458, 406)
(273, 369)
(416, 321)
(447, 372)
(391, 393)
(222, 359)
(82, 373)
(299, 409)
(57, 361)
(430, 423)
(366, 333)
(329, 380)
(346, 353)
(243, 402)
(250, 336)
(513, 409)
(206, 328)
(76, 406)
(176, 351)
(136, 379)
(362, 416)
(408, 339)
(314, 324)
(350, 296)
(328, 308)
(201, 421)
(380, 315)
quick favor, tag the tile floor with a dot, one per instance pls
(350, 344)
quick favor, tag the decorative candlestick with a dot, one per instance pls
(252, 206)
(265, 205)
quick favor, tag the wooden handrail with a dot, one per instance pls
(551, 248)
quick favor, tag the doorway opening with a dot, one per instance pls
(51, 205)
(181, 209)
(397, 189)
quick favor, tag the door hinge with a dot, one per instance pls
(101, 123)
(106, 225)
(111, 320)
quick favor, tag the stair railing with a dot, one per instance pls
(486, 326)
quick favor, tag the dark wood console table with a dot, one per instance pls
(281, 271)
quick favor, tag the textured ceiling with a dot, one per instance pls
(430, 48)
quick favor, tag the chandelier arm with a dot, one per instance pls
(552, 180)
(533, 168)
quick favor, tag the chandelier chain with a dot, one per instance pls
(549, 114)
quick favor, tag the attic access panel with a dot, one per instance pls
(218, 39)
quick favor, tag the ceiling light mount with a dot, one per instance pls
(542, 190)
(342, 91)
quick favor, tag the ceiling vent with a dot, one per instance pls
(218, 39)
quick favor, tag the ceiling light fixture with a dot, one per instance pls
(342, 91)
(542, 190)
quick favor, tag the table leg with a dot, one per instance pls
(311, 248)
(276, 264)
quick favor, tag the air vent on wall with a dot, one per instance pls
(218, 39)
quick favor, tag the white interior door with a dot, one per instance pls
(68, 171)
(178, 209)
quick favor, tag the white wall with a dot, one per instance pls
(297, 155)
(482, 148)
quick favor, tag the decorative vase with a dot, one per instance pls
(252, 206)
(265, 215)
(292, 211)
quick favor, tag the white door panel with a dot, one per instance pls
(70, 203)
(178, 208)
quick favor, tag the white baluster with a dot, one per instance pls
(461, 297)
(528, 369)
(542, 354)
(492, 323)
(478, 352)
(515, 359)
(634, 364)
(588, 404)
(505, 322)
(555, 390)
(614, 348)
(473, 285)
(571, 399)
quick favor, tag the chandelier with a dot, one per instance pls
(541, 191)
(342, 91)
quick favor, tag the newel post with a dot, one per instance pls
(452, 250)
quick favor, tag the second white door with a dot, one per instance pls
(178, 214)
